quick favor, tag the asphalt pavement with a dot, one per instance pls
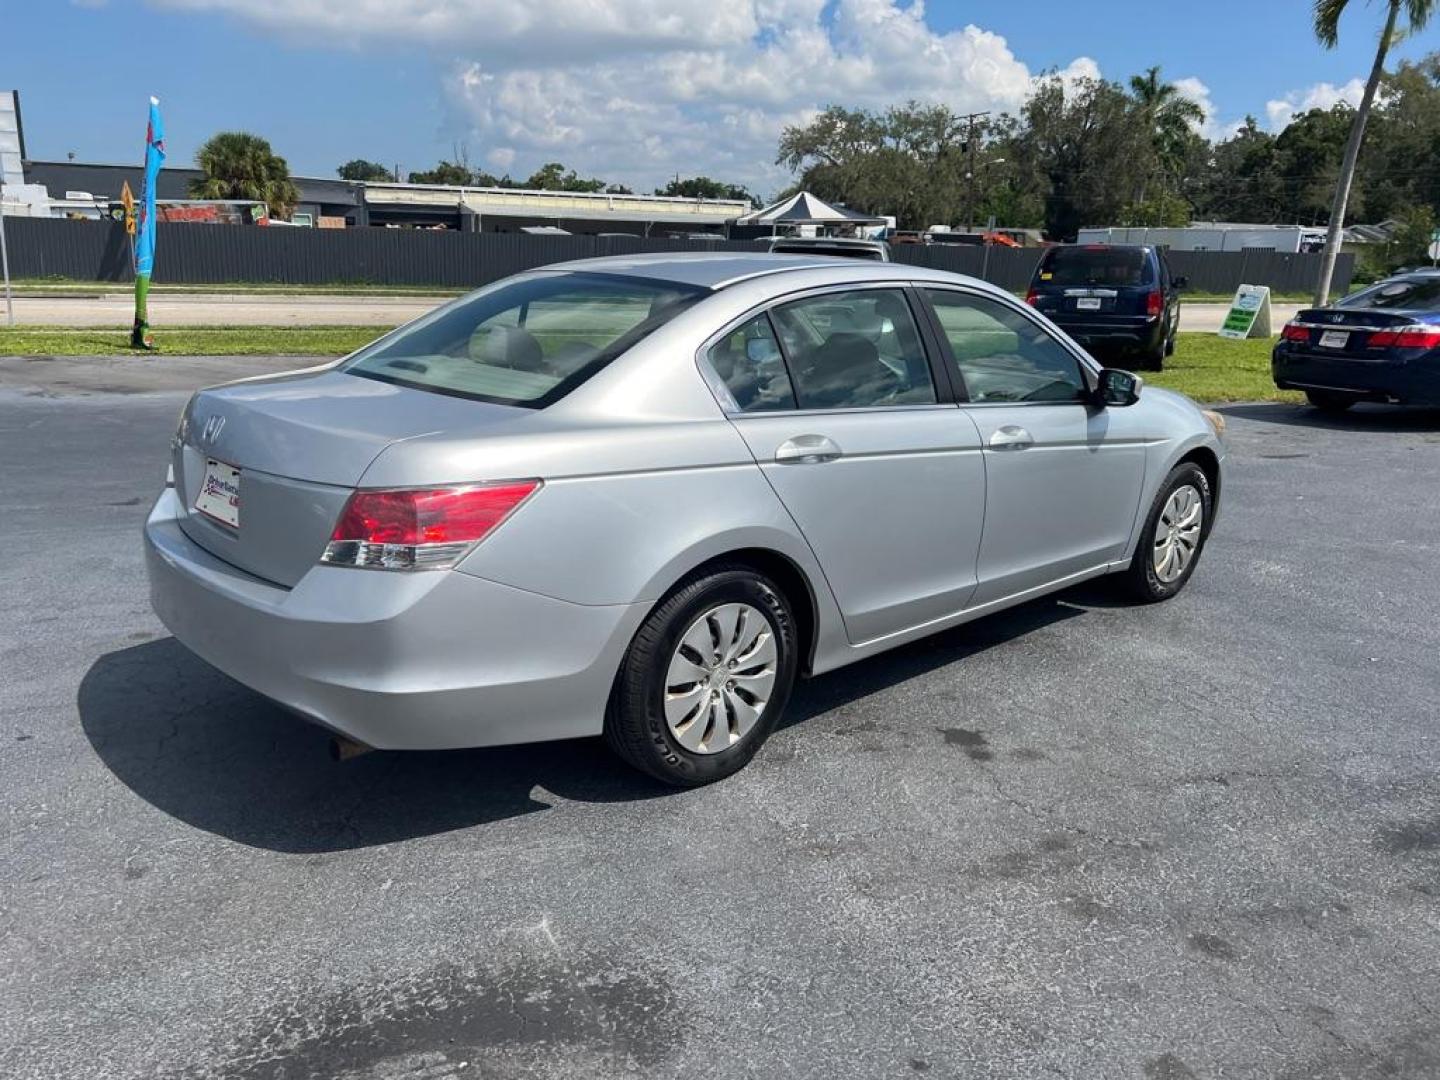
(1079, 839)
(320, 309)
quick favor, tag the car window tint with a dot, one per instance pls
(748, 360)
(1415, 294)
(1004, 356)
(855, 350)
(525, 341)
(1095, 266)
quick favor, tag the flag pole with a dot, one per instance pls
(145, 228)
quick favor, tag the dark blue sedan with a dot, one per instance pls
(1380, 344)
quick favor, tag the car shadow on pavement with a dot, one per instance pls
(1401, 420)
(199, 746)
(204, 749)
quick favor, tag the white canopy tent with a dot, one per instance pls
(804, 209)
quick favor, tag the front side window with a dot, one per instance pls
(748, 360)
(527, 341)
(852, 350)
(1003, 356)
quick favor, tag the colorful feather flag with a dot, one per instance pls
(145, 227)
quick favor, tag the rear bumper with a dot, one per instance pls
(404, 661)
(1391, 381)
(1120, 333)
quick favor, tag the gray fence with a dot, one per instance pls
(219, 254)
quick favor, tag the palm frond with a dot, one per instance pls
(1327, 20)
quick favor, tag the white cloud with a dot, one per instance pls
(1212, 127)
(1322, 95)
(637, 90)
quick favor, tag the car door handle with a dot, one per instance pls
(807, 450)
(1010, 437)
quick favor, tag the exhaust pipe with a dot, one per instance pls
(343, 749)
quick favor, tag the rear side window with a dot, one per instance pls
(748, 360)
(1095, 266)
(1003, 356)
(1415, 294)
(527, 341)
(853, 350)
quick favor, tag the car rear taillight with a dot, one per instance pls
(1294, 332)
(424, 528)
(1406, 337)
(1032, 298)
(1154, 304)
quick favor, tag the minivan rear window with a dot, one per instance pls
(1094, 266)
(1413, 294)
(526, 341)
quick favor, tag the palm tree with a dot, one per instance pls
(238, 165)
(1168, 116)
(1327, 29)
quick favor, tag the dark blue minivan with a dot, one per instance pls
(1111, 298)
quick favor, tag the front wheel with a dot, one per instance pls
(1173, 535)
(705, 679)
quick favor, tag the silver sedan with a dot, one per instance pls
(640, 496)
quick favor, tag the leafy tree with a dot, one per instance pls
(702, 187)
(1327, 29)
(360, 169)
(446, 172)
(908, 161)
(1083, 144)
(553, 176)
(238, 165)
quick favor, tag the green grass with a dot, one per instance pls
(69, 286)
(1210, 368)
(191, 341)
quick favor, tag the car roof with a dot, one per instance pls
(717, 270)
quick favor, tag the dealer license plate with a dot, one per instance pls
(1334, 339)
(219, 496)
(1087, 303)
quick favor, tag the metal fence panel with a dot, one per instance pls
(219, 254)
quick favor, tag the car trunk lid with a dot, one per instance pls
(301, 444)
(1350, 331)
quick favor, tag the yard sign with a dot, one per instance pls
(1249, 313)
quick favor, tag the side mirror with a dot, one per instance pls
(1118, 388)
(1181, 282)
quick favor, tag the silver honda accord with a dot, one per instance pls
(640, 496)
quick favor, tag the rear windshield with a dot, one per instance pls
(528, 341)
(1094, 266)
(1421, 294)
(857, 251)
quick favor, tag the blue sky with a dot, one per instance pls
(635, 90)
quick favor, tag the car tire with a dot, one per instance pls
(646, 719)
(1329, 402)
(1154, 359)
(1149, 578)
(1170, 345)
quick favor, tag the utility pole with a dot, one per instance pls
(5, 264)
(971, 146)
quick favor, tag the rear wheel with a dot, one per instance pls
(1329, 401)
(1173, 535)
(705, 679)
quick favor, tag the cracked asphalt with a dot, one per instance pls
(1079, 839)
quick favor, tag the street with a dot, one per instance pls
(1079, 839)
(321, 309)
